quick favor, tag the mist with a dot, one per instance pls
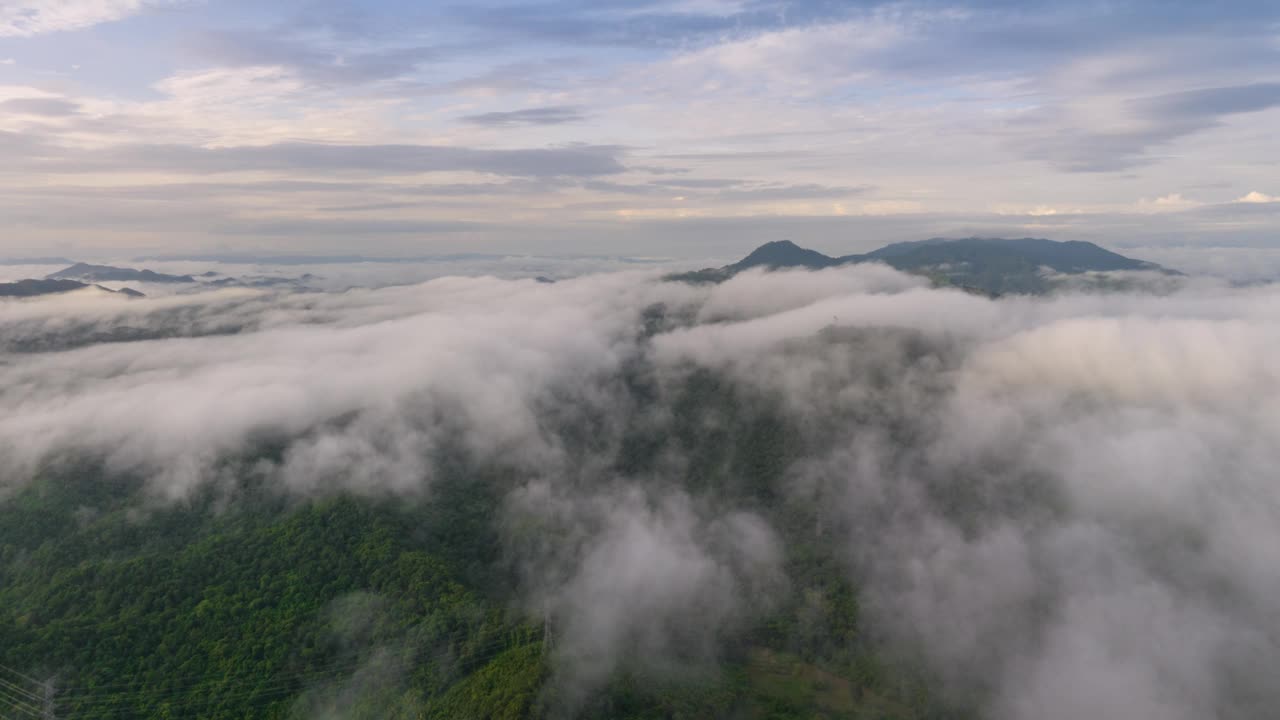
(1060, 506)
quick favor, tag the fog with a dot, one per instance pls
(1064, 507)
(344, 272)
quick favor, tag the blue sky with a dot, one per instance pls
(689, 128)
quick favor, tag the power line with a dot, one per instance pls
(294, 678)
(47, 704)
(93, 701)
(213, 684)
(24, 676)
(85, 691)
(21, 691)
(126, 688)
(177, 700)
(19, 705)
(113, 704)
(270, 693)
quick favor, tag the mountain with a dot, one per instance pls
(989, 265)
(261, 281)
(106, 273)
(1069, 256)
(34, 288)
(771, 256)
(239, 259)
(783, 253)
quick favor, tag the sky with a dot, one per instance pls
(654, 128)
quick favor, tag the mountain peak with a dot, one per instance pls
(783, 253)
(779, 245)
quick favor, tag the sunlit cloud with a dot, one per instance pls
(1257, 197)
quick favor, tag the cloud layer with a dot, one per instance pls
(1063, 506)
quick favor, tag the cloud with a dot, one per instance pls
(582, 160)
(24, 18)
(644, 580)
(697, 183)
(321, 66)
(1173, 200)
(784, 107)
(643, 24)
(46, 107)
(1170, 202)
(1244, 210)
(1144, 124)
(551, 115)
(813, 59)
(725, 191)
(1212, 102)
(1086, 150)
(770, 192)
(295, 227)
(1062, 506)
(241, 310)
(1256, 197)
(966, 568)
(1095, 93)
(1237, 264)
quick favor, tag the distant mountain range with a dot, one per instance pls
(81, 275)
(78, 276)
(992, 266)
(85, 272)
(34, 288)
(261, 281)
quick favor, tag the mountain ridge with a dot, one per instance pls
(992, 266)
(87, 272)
(32, 287)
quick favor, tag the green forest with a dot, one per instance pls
(244, 601)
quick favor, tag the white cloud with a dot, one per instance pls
(796, 61)
(1165, 203)
(890, 207)
(1257, 197)
(1239, 264)
(24, 18)
(1174, 200)
(1035, 211)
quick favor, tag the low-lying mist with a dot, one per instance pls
(1063, 507)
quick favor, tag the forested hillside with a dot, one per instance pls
(245, 603)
